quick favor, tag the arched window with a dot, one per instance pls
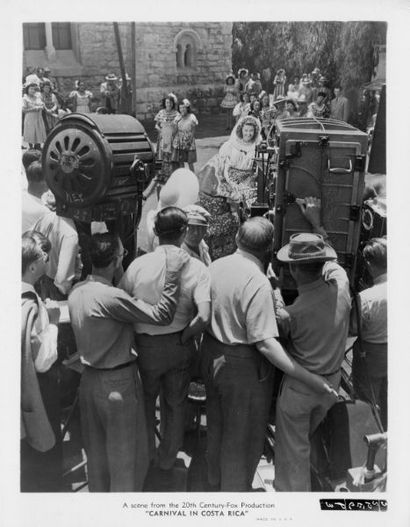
(180, 58)
(186, 45)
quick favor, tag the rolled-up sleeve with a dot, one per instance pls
(44, 347)
(202, 291)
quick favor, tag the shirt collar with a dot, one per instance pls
(27, 288)
(97, 278)
(250, 257)
(380, 279)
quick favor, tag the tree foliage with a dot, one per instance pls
(342, 50)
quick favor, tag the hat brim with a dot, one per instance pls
(283, 256)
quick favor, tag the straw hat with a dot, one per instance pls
(111, 77)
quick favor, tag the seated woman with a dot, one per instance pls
(228, 184)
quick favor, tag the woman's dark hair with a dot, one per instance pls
(170, 223)
(187, 106)
(33, 246)
(295, 106)
(46, 83)
(32, 84)
(247, 121)
(103, 249)
(169, 99)
(256, 101)
(230, 78)
(322, 93)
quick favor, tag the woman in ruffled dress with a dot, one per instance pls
(50, 106)
(228, 186)
(279, 84)
(230, 99)
(243, 107)
(81, 98)
(166, 125)
(34, 132)
(241, 81)
(184, 149)
(318, 108)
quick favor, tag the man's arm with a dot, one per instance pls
(67, 259)
(275, 354)
(199, 323)
(202, 299)
(162, 313)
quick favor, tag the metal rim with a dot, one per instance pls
(77, 164)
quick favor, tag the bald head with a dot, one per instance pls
(255, 235)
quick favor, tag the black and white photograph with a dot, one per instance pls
(206, 323)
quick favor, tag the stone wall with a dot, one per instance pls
(156, 66)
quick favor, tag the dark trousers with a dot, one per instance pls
(113, 428)
(43, 471)
(238, 382)
(164, 364)
(370, 375)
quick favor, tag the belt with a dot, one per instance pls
(329, 374)
(119, 367)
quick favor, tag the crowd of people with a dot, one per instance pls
(139, 331)
(44, 102)
(203, 304)
(306, 96)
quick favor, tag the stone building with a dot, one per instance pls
(189, 59)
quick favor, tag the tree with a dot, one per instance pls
(343, 51)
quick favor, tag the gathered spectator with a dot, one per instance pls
(184, 148)
(165, 353)
(243, 107)
(292, 108)
(339, 106)
(255, 109)
(33, 209)
(110, 92)
(64, 258)
(267, 115)
(230, 99)
(194, 243)
(243, 74)
(34, 129)
(166, 125)
(280, 105)
(306, 88)
(41, 452)
(50, 106)
(293, 89)
(369, 369)
(279, 84)
(112, 414)
(239, 346)
(318, 108)
(81, 98)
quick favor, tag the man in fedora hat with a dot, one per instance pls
(316, 326)
(110, 92)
